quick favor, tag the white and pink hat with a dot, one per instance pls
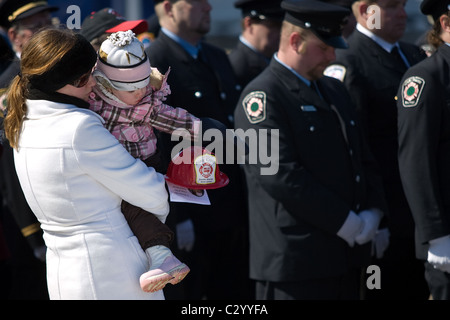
(122, 62)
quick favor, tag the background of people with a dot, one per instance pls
(18, 244)
(361, 67)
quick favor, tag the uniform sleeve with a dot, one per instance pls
(420, 107)
(101, 156)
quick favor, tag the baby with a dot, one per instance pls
(129, 96)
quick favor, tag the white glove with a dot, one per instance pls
(381, 242)
(185, 235)
(439, 253)
(351, 228)
(371, 219)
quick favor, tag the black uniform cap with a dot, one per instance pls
(108, 20)
(14, 10)
(435, 8)
(343, 3)
(261, 9)
(325, 20)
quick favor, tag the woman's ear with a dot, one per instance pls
(445, 23)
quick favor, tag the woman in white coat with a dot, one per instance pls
(74, 173)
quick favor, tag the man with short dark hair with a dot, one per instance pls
(260, 37)
(22, 19)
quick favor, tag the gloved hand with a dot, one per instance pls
(371, 219)
(351, 228)
(185, 235)
(439, 253)
(381, 242)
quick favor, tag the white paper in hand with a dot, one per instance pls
(181, 194)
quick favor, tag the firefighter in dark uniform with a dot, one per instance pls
(202, 82)
(372, 75)
(261, 24)
(424, 151)
(312, 220)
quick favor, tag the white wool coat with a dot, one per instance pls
(74, 175)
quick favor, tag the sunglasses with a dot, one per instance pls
(84, 79)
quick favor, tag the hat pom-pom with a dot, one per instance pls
(121, 38)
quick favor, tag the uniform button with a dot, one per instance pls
(358, 178)
(351, 152)
(312, 128)
(223, 95)
(198, 94)
(352, 123)
(238, 87)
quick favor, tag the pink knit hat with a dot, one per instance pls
(122, 62)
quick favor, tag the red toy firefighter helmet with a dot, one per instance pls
(196, 168)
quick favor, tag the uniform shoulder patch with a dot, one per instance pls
(411, 90)
(254, 105)
(336, 71)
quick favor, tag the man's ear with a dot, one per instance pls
(247, 21)
(362, 10)
(297, 42)
(167, 7)
(12, 34)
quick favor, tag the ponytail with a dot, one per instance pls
(16, 109)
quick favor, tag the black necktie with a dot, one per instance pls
(395, 52)
(201, 56)
(313, 86)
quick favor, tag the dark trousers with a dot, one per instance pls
(402, 274)
(438, 282)
(219, 269)
(344, 287)
(147, 228)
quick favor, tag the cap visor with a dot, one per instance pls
(337, 42)
(137, 26)
(36, 10)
